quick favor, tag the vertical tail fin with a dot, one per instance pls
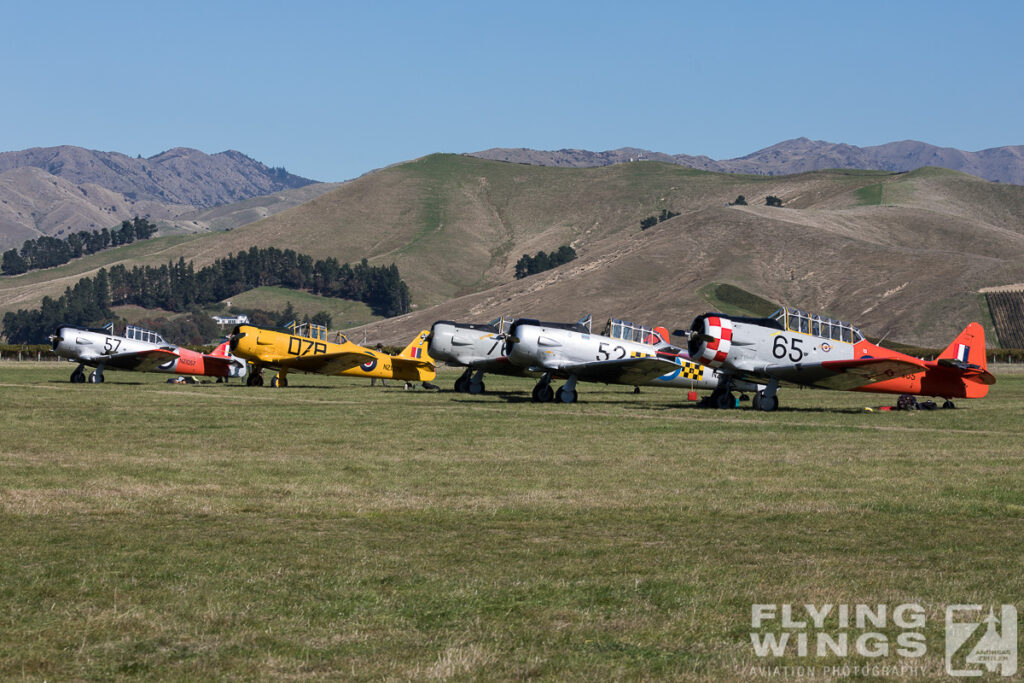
(417, 348)
(223, 351)
(968, 347)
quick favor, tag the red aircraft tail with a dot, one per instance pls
(223, 350)
(967, 354)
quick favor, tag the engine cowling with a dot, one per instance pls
(710, 339)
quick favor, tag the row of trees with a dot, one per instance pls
(541, 261)
(46, 252)
(180, 287)
(770, 200)
(651, 221)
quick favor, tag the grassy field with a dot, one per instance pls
(334, 530)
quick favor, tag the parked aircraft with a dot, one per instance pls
(138, 349)
(306, 349)
(812, 350)
(479, 347)
(570, 351)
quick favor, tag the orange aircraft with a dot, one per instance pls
(306, 349)
(812, 350)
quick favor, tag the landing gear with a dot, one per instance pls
(768, 399)
(543, 393)
(279, 380)
(948, 405)
(476, 383)
(96, 376)
(78, 376)
(462, 383)
(254, 378)
(470, 382)
(721, 397)
(567, 392)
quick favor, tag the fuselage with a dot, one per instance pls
(760, 348)
(477, 346)
(97, 347)
(273, 349)
(539, 345)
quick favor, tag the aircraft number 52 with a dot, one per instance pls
(602, 351)
(793, 350)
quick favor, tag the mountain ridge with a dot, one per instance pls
(53, 191)
(799, 155)
(897, 253)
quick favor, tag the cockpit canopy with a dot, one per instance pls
(627, 331)
(796, 320)
(311, 331)
(142, 334)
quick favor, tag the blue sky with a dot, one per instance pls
(331, 90)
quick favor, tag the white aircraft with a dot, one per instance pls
(801, 348)
(480, 348)
(138, 349)
(572, 352)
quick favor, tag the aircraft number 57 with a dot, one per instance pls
(793, 350)
(110, 346)
(602, 351)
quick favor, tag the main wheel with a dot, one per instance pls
(279, 381)
(564, 396)
(756, 402)
(461, 385)
(769, 403)
(542, 393)
(949, 405)
(95, 377)
(725, 400)
(77, 377)
(477, 388)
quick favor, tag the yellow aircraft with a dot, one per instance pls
(306, 349)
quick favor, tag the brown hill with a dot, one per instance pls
(58, 190)
(902, 254)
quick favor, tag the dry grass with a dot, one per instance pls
(332, 530)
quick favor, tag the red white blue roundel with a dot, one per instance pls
(369, 365)
(826, 347)
(714, 352)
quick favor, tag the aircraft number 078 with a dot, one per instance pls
(780, 348)
(297, 346)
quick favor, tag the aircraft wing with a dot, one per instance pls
(844, 375)
(142, 361)
(618, 371)
(325, 363)
(398, 361)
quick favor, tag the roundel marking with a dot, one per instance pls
(369, 365)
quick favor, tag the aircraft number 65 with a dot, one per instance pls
(602, 351)
(780, 350)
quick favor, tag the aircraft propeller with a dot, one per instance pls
(56, 339)
(234, 337)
